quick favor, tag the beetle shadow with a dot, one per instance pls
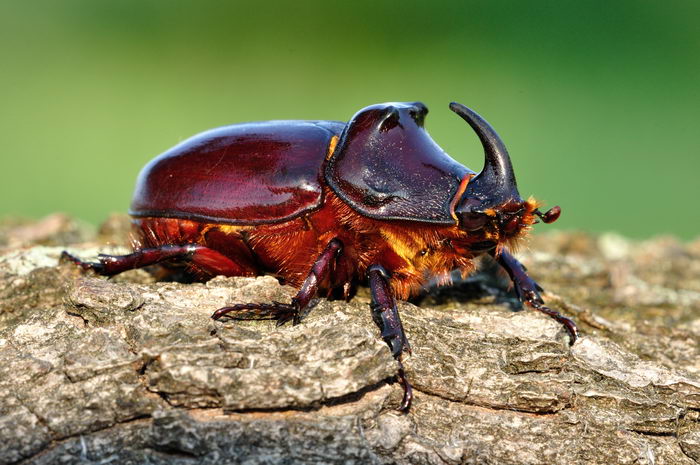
(488, 284)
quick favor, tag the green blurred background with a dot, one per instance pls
(598, 101)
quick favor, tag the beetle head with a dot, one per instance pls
(491, 201)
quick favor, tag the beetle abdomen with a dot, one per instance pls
(227, 240)
(250, 173)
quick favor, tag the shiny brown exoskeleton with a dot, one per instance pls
(326, 206)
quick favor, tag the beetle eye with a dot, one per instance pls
(473, 221)
(510, 225)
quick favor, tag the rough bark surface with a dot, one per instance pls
(130, 370)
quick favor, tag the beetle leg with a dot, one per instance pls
(320, 271)
(386, 315)
(208, 260)
(528, 291)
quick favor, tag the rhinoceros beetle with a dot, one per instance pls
(325, 206)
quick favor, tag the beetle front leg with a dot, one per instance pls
(320, 271)
(386, 315)
(528, 291)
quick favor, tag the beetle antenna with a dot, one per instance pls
(550, 216)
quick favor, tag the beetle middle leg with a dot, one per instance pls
(528, 291)
(386, 315)
(320, 272)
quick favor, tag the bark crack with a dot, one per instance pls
(486, 406)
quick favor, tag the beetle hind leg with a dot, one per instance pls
(97, 267)
(200, 257)
(321, 270)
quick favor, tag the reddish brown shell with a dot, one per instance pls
(245, 174)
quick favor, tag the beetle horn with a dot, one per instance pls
(496, 182)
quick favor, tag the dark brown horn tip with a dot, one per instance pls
(464, 111)
(459, 108)
(475, 120)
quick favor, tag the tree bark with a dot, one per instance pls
(129, 370)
